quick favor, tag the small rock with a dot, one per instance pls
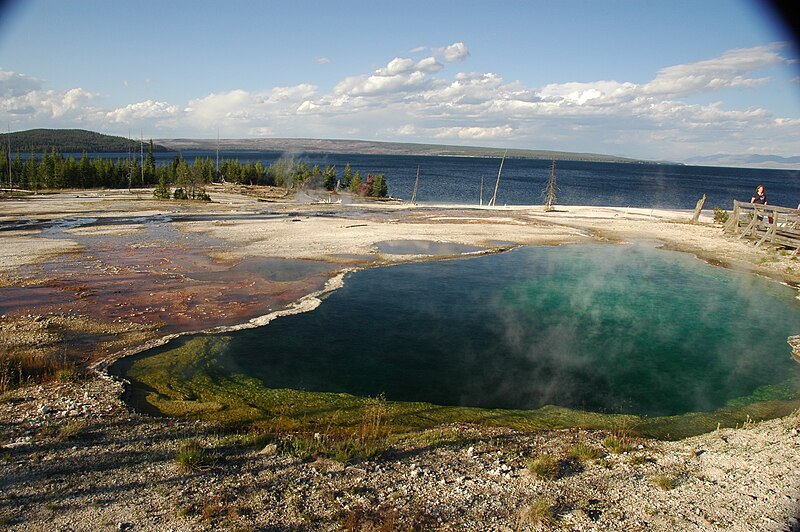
(270, 449)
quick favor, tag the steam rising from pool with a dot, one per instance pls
(604, 328)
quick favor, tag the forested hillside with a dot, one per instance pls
(53, 170)
(68, 141)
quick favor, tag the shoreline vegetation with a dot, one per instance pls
(178, 179)
(79, 296)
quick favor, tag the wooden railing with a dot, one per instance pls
(767, 223)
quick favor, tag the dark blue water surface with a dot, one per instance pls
(458, 179)
(604, 328)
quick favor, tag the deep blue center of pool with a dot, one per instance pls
(605, 328)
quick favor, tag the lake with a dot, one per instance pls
(523, 181)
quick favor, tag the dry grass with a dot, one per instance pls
(540, 512)
(26, 368)
(192, 457)
(665, 482)
(70, 431)
(584, 453)
(618, 443)
(544, 466)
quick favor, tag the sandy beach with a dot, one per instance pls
(91, 276)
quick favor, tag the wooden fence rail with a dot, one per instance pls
(767, 223)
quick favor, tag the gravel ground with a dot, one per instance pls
(74, 457)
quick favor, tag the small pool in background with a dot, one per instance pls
(424, 247)
(613, 329)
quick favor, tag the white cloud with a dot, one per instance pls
(732, 69)
(13, 84)
(466, 89)
(474, 132)
(406, 130)
(143, 110)
(426, 98)
(246, 108)
(396, 66)
(400, 75)
(429, 64)
(455, 52)
(49, 105)
(322, 60)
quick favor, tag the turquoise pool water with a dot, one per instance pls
(605, 328)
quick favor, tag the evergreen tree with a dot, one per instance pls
(162, 189)
(5, 162)
(72, 173)
(379, 187)
(87, 171)
(347, 177)
(302, 173)
(45, 171)
(149, 165)
(16, 170)
(329, 178)
(182, 180)
(32, 173)
(355, 182)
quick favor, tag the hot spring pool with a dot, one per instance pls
(614, 329)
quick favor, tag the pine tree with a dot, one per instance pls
(149, 164)
(379, 187)
(329, 175)
(162, 190)
(355, 182)
(347, 177)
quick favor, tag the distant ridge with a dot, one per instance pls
(383, 148)
(69, 141)
(80, 140)
(753, 160)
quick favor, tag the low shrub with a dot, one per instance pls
(20, 369)
(584, 453)
(617, 444)
(720, 216)
(343, 448)
(192, 456)
(70, 431)
(539, 513)
(544, 466)
(664, 482)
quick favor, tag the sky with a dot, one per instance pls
(650, 79)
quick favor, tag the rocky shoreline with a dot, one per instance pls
(75, 457)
